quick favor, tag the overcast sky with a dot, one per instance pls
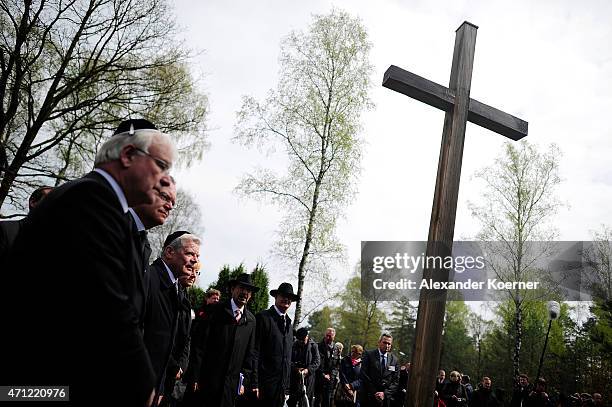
(547, 62)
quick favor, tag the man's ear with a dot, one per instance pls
(126, 156)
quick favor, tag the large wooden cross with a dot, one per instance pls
(455, 101)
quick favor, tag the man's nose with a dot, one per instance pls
(165, 181)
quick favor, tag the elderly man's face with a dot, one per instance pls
(486, 383)
(155, 214)
(146, 172)
(188, 281)
(182, 261)
(330, 335)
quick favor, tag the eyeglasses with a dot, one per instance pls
(161, 164)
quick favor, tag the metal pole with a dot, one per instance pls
(543, 350)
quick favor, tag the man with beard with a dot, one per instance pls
(273, 342)
(223, 347)
(165, 300)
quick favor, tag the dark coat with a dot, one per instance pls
(179, 356)
(485, 398)
(373, 380)
(451, 389)
(272, 357)
(222, 350)
(349, 374)
(161, 318)
(311, 361)
(329, 364)
(79, 325)
(9, 229)
(520, 395)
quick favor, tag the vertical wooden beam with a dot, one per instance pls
(430, 317)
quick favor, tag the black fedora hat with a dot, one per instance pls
(285, 289)
(134, 124)
(244, 280)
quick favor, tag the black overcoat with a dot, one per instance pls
(272, 357)
(312, 362)
(74, 318)
(9, 229)
(373, 380)
(222, 350)
(161, 318)
(179, 356)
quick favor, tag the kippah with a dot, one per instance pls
(173, 236)
(134, 124)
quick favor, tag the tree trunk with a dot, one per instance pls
(518, 327)
(305, 252)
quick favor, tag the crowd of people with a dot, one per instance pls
(97, 315)
(458, 391)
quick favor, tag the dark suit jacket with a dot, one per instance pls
(329, 365)
(78, 323)
(272, 357)
(179, 356)
(373, 380)
(222, 350)
(161, 318)
(9, 229)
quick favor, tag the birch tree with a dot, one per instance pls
(313, 117)
(518, 204)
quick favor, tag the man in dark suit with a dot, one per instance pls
(379, 375)
(165, 300)
(9, 229)
(273, 343)
(223, 347)
(148, 216)
(80, 323)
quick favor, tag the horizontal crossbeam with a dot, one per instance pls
(441, 97)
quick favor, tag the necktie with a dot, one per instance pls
(237, 312)
(382, 364)
(282, 323)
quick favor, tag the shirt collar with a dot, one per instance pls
(280, 314)
(382, 354)
(115, 186)
(235, 307)
(139, 225)
(172, 278)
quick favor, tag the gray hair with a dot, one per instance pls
(180, 241)
(141, 139)
(385, 334)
